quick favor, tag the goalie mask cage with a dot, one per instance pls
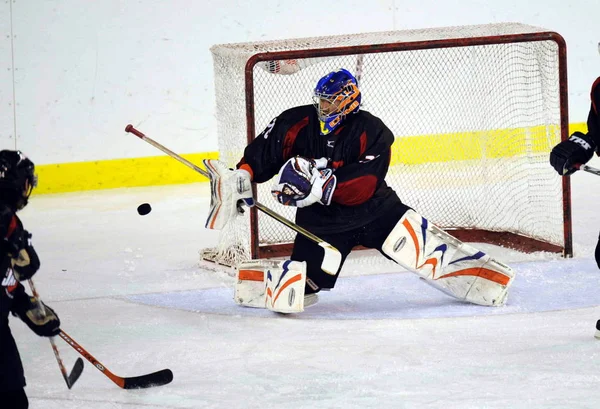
(475, 111)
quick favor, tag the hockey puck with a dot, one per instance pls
(144, 209)
(597, 334)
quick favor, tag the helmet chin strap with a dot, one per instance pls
(324, 130)
(329, 126)
(24, 199)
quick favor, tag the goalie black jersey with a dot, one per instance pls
(359, 152)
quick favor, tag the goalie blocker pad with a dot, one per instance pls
(227, 187)
(446, 263)
(275, 285)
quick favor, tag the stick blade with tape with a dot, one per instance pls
(332, 258)
(158, 378)
(75, 373)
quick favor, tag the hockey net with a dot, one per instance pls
(475, 111)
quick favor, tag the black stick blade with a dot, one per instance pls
(75, 373)
(150, 380)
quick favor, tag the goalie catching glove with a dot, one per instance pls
(302, 182)
(230, 189)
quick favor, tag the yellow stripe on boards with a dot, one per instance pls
(580, 127)
(410, 150)
(115, 173)
(459, 146)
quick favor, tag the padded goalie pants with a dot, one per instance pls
(370, 236)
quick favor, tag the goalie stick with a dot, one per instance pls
(71, 378)
(332, 258)
(158, 378)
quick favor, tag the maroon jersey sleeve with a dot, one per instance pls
(358, 179)
(272, 147)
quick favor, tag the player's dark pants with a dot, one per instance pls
(12, 379)
(14, 399)
(372, 236)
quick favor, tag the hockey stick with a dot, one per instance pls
(331, 257)
(71, 378)
(589, 169)
(158, 378)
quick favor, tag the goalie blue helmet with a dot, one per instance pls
(336, 96)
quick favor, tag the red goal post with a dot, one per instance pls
(475, 111)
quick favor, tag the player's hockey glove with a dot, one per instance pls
(302, 182)
(577, 150)
(44, 322)
(24, 260)
(16, 244)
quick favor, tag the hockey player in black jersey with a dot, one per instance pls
(331, 159)
(567, 155)
(580, 147)
(19, 262)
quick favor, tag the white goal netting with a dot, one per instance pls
(475, 111)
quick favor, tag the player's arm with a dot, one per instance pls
(593, 122)
(16, 244)
(265, 155)
(580, 147)
(230, 188)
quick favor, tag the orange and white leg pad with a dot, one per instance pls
(446, 263)
(275, 285)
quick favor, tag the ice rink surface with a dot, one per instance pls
(129, 289)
